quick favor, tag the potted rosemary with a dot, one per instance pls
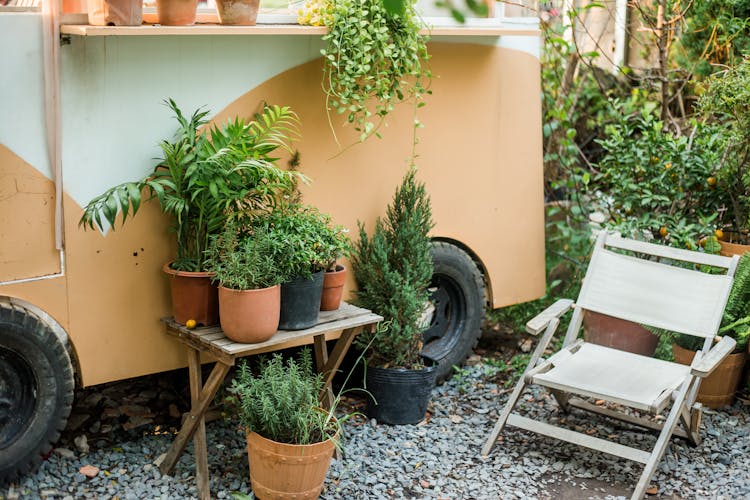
(206, 175)
(393, 269)
(290, 438)
(249, 282)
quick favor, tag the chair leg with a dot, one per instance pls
(512, 400)
(562, 400)
(661, 442)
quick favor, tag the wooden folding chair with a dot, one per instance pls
(623, 280)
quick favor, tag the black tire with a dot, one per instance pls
(457, 292)
(36, 390)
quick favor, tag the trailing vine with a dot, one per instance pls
(373, 60)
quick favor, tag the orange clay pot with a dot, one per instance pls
(333, 289)
(250, 316)
(176, 12)
(193, 296)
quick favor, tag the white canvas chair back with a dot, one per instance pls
(654, 293)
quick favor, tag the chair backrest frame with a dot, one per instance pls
(654, 293)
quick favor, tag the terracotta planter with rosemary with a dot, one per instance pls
(250, 316)
(194, 296)
(280, 470)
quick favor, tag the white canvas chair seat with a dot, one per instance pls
(625, 280)
(617, 376)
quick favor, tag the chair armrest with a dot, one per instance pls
(703, 366)
(541, 320)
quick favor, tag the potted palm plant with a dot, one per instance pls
(305, 249)
(393, 269)
(290, 438)
(249, 283)
(206, 175)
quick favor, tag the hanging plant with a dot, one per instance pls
(374, 58)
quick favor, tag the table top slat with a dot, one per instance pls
(345, 317)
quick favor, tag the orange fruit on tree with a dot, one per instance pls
(663, 231)
(719, 234)
(711, 181)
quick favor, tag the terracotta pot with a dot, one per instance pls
(176, 12)
(115, 12)
(730, 249)
(618, 334)
(250, 316)
(716, 390)
(194, 296)
(333, 289)
(282, 471)
(238, 12)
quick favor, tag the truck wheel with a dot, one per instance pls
(457, 294)
(36, 390)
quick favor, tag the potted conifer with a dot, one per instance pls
(206, 175)
(393, 269)
(290, 438)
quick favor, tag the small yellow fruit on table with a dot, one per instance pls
(190, 324)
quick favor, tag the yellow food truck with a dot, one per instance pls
(81, 110)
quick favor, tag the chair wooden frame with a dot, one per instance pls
(682, 393)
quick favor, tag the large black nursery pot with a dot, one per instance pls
(300, 302)
(400, 395)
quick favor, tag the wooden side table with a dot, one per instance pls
(342, 324)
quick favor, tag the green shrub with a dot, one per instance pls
(281, 402)
(393, 269)
(244, 261)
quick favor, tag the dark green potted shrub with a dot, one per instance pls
(393, 269)
(206, 175)
(290, 438)
(249, 282)
(302, 254)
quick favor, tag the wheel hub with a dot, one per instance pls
(447, 319)
(18, 389)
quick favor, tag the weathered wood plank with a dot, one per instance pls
(708, 363)
(574, 437)
(199, 440)
(541, 320)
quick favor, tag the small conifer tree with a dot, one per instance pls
(393, 269)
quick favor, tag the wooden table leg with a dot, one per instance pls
(196, 415)
(199, 439)
(337, 355)
(321, 359)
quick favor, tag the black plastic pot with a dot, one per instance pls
(300, 302)
(400, 396)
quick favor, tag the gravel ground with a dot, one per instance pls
(439, 458)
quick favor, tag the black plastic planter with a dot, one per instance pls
(401, 396)
(300, 302)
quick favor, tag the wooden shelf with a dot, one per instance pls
(266, 29)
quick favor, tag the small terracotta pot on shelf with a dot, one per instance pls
(333, 288)
(194, 296)
(250, 316)
(177, 12)
(115, 12)
(237, 12)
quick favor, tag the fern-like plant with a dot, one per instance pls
(205, 176)
(393, 269)
(281, 402)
